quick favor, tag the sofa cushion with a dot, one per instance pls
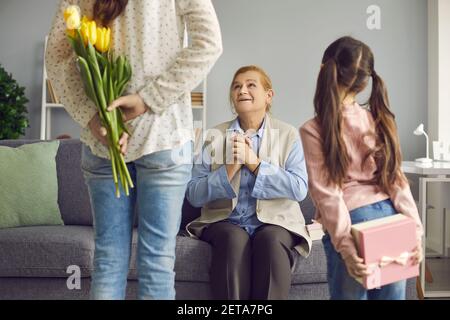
(312, 269)
(29, 186)
(48, 251)
(45, 251)
(193, 258)
(73, 197)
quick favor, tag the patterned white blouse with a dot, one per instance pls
(150, 33)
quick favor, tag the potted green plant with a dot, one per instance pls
(13, 119)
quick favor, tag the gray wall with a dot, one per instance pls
(286, 37)
(23, 25)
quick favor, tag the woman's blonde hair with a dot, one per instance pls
(265, 81)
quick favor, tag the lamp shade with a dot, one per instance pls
(419, 130)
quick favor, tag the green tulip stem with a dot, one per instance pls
(127, 174)
(105, 79)
(113, 163)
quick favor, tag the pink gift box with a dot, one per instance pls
(386, 246)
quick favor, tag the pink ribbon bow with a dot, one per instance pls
(402, 259)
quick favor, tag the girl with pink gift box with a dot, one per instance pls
(353, 160)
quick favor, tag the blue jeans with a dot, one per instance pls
(160, 181)
(342, 286)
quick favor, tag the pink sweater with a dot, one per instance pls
(333, 203)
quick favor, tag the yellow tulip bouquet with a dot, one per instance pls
(105, 79)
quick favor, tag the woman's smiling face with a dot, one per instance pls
(248, 93)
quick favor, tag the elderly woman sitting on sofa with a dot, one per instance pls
(250, 211)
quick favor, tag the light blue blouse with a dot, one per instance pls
(290, 182)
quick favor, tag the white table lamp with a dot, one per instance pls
(418, 132)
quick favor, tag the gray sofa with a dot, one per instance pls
(34, 260)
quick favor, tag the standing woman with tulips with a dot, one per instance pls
(157, 141)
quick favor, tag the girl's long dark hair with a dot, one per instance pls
(105, 11)
(347, 65)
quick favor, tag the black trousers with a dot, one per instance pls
(247, 267)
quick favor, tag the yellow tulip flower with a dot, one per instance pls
(85, 19)
(89, 31)
(103, 39)
(71, 33)
(72, 17)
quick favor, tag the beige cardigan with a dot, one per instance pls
(276, 144)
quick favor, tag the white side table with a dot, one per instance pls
(434, 172)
